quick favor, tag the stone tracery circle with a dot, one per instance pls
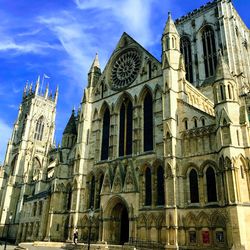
(125, 69)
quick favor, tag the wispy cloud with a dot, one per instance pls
(32, 47)
(5, 132)
(133, 15)
(29, 32)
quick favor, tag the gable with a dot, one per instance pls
(129, 65)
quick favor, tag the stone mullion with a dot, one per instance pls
(137, 131)
(113, 136)
(154, 188)
(235, 186)
(142, 190)
(97, 144)
(202, 195)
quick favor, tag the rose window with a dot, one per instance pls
(125, 69)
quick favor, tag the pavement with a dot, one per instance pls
(29, 246)
(8, 247)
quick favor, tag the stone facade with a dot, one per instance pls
(159, 150)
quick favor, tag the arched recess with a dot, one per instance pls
(211, 185)
(160, 186)
(148, 121)
(243, 180)
(36, 169)
(68, 199)
(209, 50)
(118, 224)
(92, 192)
(39, 129)
(13, 165)
(187, 53)
(148, 187)
(126, 127)
(105, 134)
(100, 182)
(193, 186)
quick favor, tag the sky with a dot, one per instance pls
(60, 38)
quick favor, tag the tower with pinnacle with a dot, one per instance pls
(32, 138)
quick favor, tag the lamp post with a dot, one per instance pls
(90, 215)
(7, 233)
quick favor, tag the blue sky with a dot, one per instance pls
(60, 38)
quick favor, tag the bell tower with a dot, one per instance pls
(25, 159)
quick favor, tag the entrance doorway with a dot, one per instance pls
(119, 224)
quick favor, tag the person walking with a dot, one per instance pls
(75, 236)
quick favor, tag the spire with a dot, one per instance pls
(222, 70)
(95, 64)
(170, 26)
(71, 125)
(37, 85)
(94, 72)
(46, 91)
(31, 88)
(25, 90)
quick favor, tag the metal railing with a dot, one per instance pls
(146, 244)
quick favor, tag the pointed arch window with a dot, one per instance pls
(209, 51)
(148, 122)
(186, 51)
(148, 187)
(193, 186)
(105, 135)
(99, 191)
(126, 128)
(13, 165)
(92, 193)
(160, 186)
(69, 198)
(39, 129)
(211, 185)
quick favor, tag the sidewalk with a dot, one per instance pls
(8, 247)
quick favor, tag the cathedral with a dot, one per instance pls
(159, 151)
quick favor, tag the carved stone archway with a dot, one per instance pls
(116, 222)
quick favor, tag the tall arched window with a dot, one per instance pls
(99, 191)
(126, 128)
(69, 198)
(209, 51)
(105, 135)
(92, 193)
(148, 122)
(148, 187)
(160, 186)
(39, 129)
(193, 185)
(211, 185)
(187, 53)
(13, 165)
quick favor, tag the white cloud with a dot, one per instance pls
(133, 15)
(76, 41)
(5, 134)
(29, 33)
(23, 48)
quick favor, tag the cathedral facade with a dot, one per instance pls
(159, 150)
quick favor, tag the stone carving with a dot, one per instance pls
(125, 69)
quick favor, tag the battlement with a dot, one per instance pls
(195, 12)
(30, 91)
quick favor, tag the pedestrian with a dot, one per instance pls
(75, 236)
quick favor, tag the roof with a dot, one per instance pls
(222, 69)
(71, 125)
